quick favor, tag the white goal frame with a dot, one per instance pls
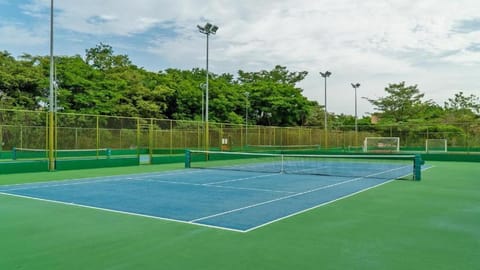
(394, 147)
(428, 147)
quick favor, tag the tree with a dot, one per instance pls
(274, 97)
(109, 84)
(78, 83)
(102, 57)
(316, 115)
(22, 82)
(401, 104)
(463, 103)
(461, 108)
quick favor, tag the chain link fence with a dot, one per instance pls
(29, 129)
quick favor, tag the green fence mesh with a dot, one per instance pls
(140, 136)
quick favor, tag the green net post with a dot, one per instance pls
(417, 167)
(109, 153)
(14, 153)
(188, 157)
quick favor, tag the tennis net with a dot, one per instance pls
(283, 148)
(371, 166)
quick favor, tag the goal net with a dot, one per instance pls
(436, 145)
(381, 144)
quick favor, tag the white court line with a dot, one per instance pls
(81, 181)
(91, 179)
(241, 179)
(253, 189)
(287, 197)
(122, 212)
(317, 206)
(328, 202)
(147, 180)
(200, 224)
(218, 186)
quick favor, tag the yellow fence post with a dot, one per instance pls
(171, 137)
(98, 135)
(150, 139)
(138, 138)
(47, 136)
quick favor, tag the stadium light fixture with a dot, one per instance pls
(355, 86)
(207, 30)
(325, 75)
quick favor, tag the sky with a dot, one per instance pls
(434, 44)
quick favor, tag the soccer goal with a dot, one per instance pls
(435, 145)
(381, 144)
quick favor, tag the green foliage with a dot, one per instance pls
(21, 82)
(316, 115)
(274, 98)
(401, 104)
(102, 57)
(462, 103)
(461, 108)
(109, 84)
(404, 113)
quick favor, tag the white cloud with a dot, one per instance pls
(464, 57)
(20, 37)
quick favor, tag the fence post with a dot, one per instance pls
(98, 136)
(171, 137)
(150, 140)
(138, 138)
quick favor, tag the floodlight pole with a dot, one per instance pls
(355, 86)
(51, 163)
(325, 75)
(247, 94)
(208, 30)
(202, 87)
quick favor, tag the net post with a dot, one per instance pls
(282, 170)
(417, 167)
(14, 153)
(188, 158)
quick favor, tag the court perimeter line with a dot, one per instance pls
(122, 212)
(287, 197)
(329, 202)
(317, 206)
(75, 181)
(191, 222)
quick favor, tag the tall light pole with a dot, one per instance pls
(202, 86)
(208, 29)
(355, 86)
(51, 101)
(247, 94)
(325, 75)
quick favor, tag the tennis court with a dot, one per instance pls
(427, 224)
(241, 196)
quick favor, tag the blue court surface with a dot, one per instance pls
(232, 200)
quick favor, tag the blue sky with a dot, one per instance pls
(432, 44)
